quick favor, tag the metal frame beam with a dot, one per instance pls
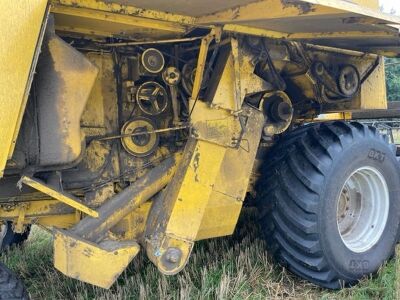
(125, 10)
(277, 9)
(60, 196)
(118, 18)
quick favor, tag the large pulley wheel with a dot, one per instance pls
(152, 98)
(329, 202)
(139, 137)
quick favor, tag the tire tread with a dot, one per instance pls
(296, 170)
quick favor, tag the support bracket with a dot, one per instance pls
(60, 196)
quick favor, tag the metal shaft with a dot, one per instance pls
(126, 201)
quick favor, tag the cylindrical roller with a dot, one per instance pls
(126, 201)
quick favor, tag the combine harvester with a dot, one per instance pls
(144, 125)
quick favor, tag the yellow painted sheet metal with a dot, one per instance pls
(356, 25)
(232, 181)
(97, 264)
(21, 27)
(94, 18)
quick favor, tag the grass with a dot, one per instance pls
(235, 267)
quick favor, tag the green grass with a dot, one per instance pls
(234, 267)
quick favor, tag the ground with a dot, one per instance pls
(235, 267)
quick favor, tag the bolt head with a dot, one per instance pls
(173, 255)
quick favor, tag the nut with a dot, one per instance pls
(173, 255)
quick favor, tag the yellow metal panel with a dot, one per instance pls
(128, 8)
(374, 4)
(255, 31)
(95, 20)
(97, 264)
(36, 209)
(212, 225)
(276, 9)
(195, 190)
(337, 23)
(133, 225)
(59, 221)
(343, 34)
(63, 88)
(117, 18)
(21, 26)
(373, 91)
(232, 181)
(176, 216)
(67, 199)
(262, 10)
(334, 116)
(100, 114)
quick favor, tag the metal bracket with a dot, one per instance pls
(19, 226)
(60, 196)
(201, 62)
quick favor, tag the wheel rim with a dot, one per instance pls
(362, 209)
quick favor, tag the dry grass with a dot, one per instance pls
(234, 267)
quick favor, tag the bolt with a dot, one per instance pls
(173, 255)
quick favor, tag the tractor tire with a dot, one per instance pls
(329, 202)
(10, 286)
(10, 238)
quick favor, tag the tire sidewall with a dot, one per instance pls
(361, 152)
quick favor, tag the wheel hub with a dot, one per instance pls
(362, 209)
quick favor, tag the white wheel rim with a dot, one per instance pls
(362, 209)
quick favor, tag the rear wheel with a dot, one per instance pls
(10, 286)
(329, 202)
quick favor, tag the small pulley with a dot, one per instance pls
(349, 80)
(152, 60)
(152, 98)
(336, 84)
(171, 76)
(278, 110)
(139, 138)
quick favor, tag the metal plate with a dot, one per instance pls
(20, 40)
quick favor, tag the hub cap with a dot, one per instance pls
(362, 209)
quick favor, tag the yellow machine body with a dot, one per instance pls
(164, 204)
(20, 45)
